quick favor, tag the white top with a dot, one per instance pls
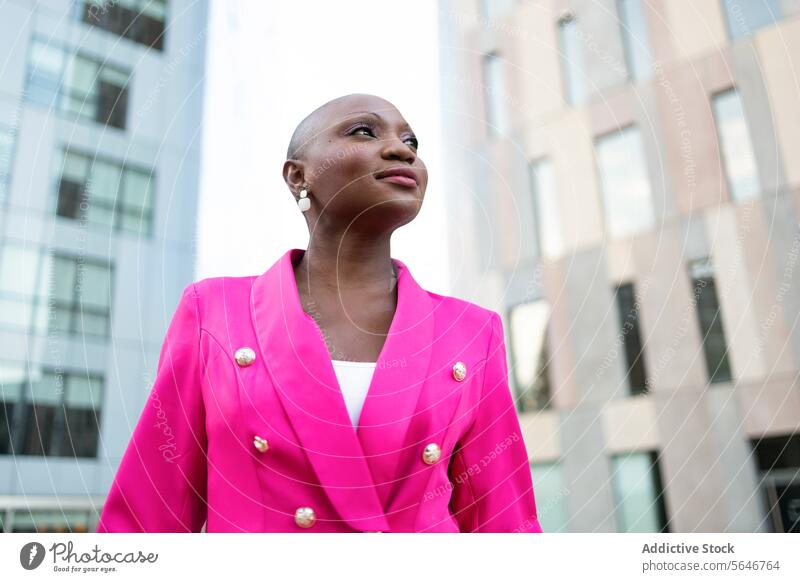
(354, 379)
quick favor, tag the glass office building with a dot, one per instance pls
(100, 104)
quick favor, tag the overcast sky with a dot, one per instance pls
(270, 64)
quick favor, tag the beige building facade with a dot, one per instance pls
(629, 199)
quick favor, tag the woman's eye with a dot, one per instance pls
(363, 128)
(414, 142)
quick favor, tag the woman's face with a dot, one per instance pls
(362, 167)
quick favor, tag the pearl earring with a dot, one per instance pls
(304, 203)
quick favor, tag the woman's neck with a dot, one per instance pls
(345, 265)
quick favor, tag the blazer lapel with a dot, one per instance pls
(357, 468)
(399, 376)
(300, 367)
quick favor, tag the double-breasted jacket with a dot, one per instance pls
(245, 428)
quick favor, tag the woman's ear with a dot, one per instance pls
(293, 172)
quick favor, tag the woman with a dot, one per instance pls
(260, 420)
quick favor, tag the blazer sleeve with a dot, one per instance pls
(160, 485)
(492, 489)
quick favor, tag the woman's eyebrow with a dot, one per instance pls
(352, 113)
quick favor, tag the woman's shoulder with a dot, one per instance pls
(214, 293)
(212, 285)
(469, 315)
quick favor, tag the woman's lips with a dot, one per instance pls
(401, 180)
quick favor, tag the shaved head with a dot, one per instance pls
(307, 130)
(345, 155)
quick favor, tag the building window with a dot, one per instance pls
(13, 378)
(53, 521)
(627, 197)
(6, 148)
(494, 9)
(573, 66)
(81, 296)
(709, 319)
(551, 497)
(638, 493)
(105, 193)
(545, 202)
(52, 292)
(529, 354)
(778, 459)
(629, 310)
(495, 95)
(738, 155)
(142, 21)
(634, 38)
(745, 18)
(49, 413)
(19, 285)
(75, 84)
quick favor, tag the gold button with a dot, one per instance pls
(261, 444)
(305, 517)
(431, 453)
(459, 371)
(245, 356)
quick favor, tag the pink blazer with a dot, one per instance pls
(264, 443)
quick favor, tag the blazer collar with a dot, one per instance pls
(357, 468)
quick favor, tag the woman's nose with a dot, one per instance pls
(396, 148)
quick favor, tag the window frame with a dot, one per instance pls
(570, 93)
(120, 208)
(657, 483)
(499, 125)
(540, 207)
(723, 371)
(7, 164)
(639, 362)
(62, 93)
(41, 320)
(533, 392)
(630, 44)
(726, 16)
(24, 424)
(722, 148)
(599, 173)
(134, 29)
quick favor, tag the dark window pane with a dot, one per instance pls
(80, 433)
(541, 392)
(126, 22)
(38, 431)
(788, 502)
(631, 338)
(150, 31)
(778, 459)
(780, 452)
(709, 318)
(7, 409)
(112, 104)
(69, 199)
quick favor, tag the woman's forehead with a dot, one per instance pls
(374, 107)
